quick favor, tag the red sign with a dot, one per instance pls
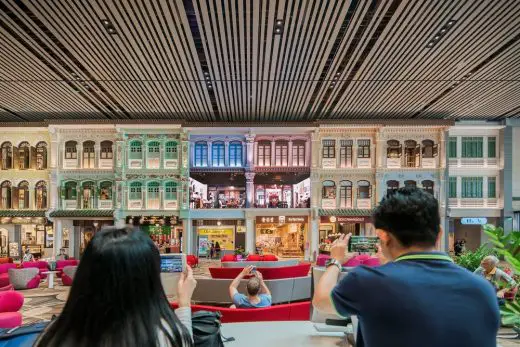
(281, 219)
(344, 219)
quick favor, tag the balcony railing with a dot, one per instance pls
(171, 204)
(473, 162)
(333, 204)
(105, 204)
(171, 163)
(135, 204)
(106, 163)
(473, 203)
(70, 204)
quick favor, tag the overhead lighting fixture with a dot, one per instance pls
(206, 73)
(279, 22)
(278, 27)
(108, 26)
(105, 22)
(442, 31)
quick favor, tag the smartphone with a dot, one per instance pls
(363, 244)
(253, 270)
(173, 262)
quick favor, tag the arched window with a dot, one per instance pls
(218, 152)
(410, 184)
(412, 153)
(153, 198)
(23, 195)
(88, 191)
(135, 191)
(5, 195)
(264, 153)
(364, 190)
(154, 155)
(106, 150)
(391, 186)
(428, 186)
(7, 156)
(89, 155)
(170, 191)
(41, 195)
(70, 191)
(235, 153)
(345, 194)
(24, 160)
(329, 190)
(298, 153)
(41, 155)
(171, 150)
(136, 150)
(105, 190)
(345, 153)
(201, 154)
(281, 153)
(429, 150)
(71, 151)
(393, 149)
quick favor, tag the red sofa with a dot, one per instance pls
(60, 264)
(299, 311)
(269, 273)
(229, 257)
(10, 303)
(4, 273)
(6, 260)
(192, 260)
(251, 257)
(42, 266)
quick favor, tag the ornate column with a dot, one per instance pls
(119, 152)
(315, 190)
(250, 188)
(97, 154)
(210, 153)
(442, 149)
(250, 233)
(289, 153)
(187, 236)
(307, 153)
(273, 152)
(315, 235)
(379, 151)
(58, 236)
(315, 149)
(54, 149)
(161, 196)
(32, 195)
(250, 149)
(226, 153)
(79, 149)
(373, 152)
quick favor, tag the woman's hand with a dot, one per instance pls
(185, 287)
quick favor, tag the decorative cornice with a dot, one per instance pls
(156, 176)
(345, 212)
(82, 213)
(22, 213)
(302, 169)
(217, 169)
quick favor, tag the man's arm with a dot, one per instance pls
(322, 299)
(263, 287)
(236, 282)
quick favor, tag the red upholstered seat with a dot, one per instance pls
(269, 257)
(299, 311)
(60, 264)
(6, 260)
(229, 257)
(10, 320)
(4, 276)
(42, 266)
(254, 257)
(10, 301)
(269, 273)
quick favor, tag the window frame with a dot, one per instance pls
(200, 154)
(235, 152)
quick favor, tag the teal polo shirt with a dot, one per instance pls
(419, 300)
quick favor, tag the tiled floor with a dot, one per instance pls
(43, 303)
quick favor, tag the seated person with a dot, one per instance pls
(258, 295)
(489, 270)
(62, 255)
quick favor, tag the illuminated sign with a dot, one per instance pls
(281, 219)
(344, 219)
(474, 221)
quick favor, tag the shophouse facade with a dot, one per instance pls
(24, 187)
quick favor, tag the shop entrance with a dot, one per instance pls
(4, 242)
(332, 227)
(282, 236)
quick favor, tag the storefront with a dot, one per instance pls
(165, 231)
(332, 227)
(283, 236)
(283, 195)
(20, 233)
(469, 230)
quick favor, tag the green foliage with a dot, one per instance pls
(241, 251)
(507, 246)
(471, 259)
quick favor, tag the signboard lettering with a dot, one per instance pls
(474, 221)
(281, 219)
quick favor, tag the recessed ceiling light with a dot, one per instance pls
(436, 37)
(450, 22)
(278, 30)
(430, 44)
(279, 22)
(111, 30)
(338, 73)
(105, 21)
(206, 73)
(207, 77)
(443, 30)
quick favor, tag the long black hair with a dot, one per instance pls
(117, 298)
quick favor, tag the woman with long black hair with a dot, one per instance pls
(117, 298)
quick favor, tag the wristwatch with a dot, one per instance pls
(334, 262)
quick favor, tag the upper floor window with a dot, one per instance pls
(41, 195)
(5, 195)
(492, 147)
(41, 156)
(171, 150)
(154, 149)
(345, 194)
(105, 191)
(89, 155)
(391, 186)
(452, 147)
(87, 195)
(345, 153)
(492, 187)
(472, 187)
(218, 153)
(71, 151)
(7, 156)
(329, 190)
(201, 154)
(135, 191)
(393, 149)
(24, 150)
(23, 195)
(153, 196)
(106, 150)
(235, 153)
(170, 191)
(428, 186)
(70, 191)
(429, 149)
(298, 153)
(452, 187)
(410, 184)
(364, 190)
(412, 153)
(328, 149)
(281, 152)
(264, 153)
(136, 150)
(363, 148)
(472, 147)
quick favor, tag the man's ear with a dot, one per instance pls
(383, 235)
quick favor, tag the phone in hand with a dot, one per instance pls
(363, 244)
(253, 270)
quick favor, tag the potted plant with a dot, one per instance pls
(471, 259)
(240, 253)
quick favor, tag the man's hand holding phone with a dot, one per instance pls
(339, 249)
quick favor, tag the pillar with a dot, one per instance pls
(250, 189)
(250, 234)
(443, 194)
(273, 153)
(79, 150)
(97, 155)
(506, 178)
(73, 239)
(443, 157)
(379, 151)
(315, 148)
(58, 236)
(210, 154)
(307, 153)
(226, 153)
(289, 154)
(250, 148)
(315, 190)
(187, 236)
(315, 236)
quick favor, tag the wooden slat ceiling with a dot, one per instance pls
(223, 61)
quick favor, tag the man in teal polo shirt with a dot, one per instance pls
(419, 297)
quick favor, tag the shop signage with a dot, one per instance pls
(281, 219)
(344, 219)
(328, 163)
(474, 221)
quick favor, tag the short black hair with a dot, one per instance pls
(411, 215)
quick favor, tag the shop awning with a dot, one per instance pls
(350, 212)
(82, 213)
(22, 213)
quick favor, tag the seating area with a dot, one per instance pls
(362, 259)
(250, 257)
(269, 273)
(10, 304)
(60, 264)
(42, 266)
(25, 278)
